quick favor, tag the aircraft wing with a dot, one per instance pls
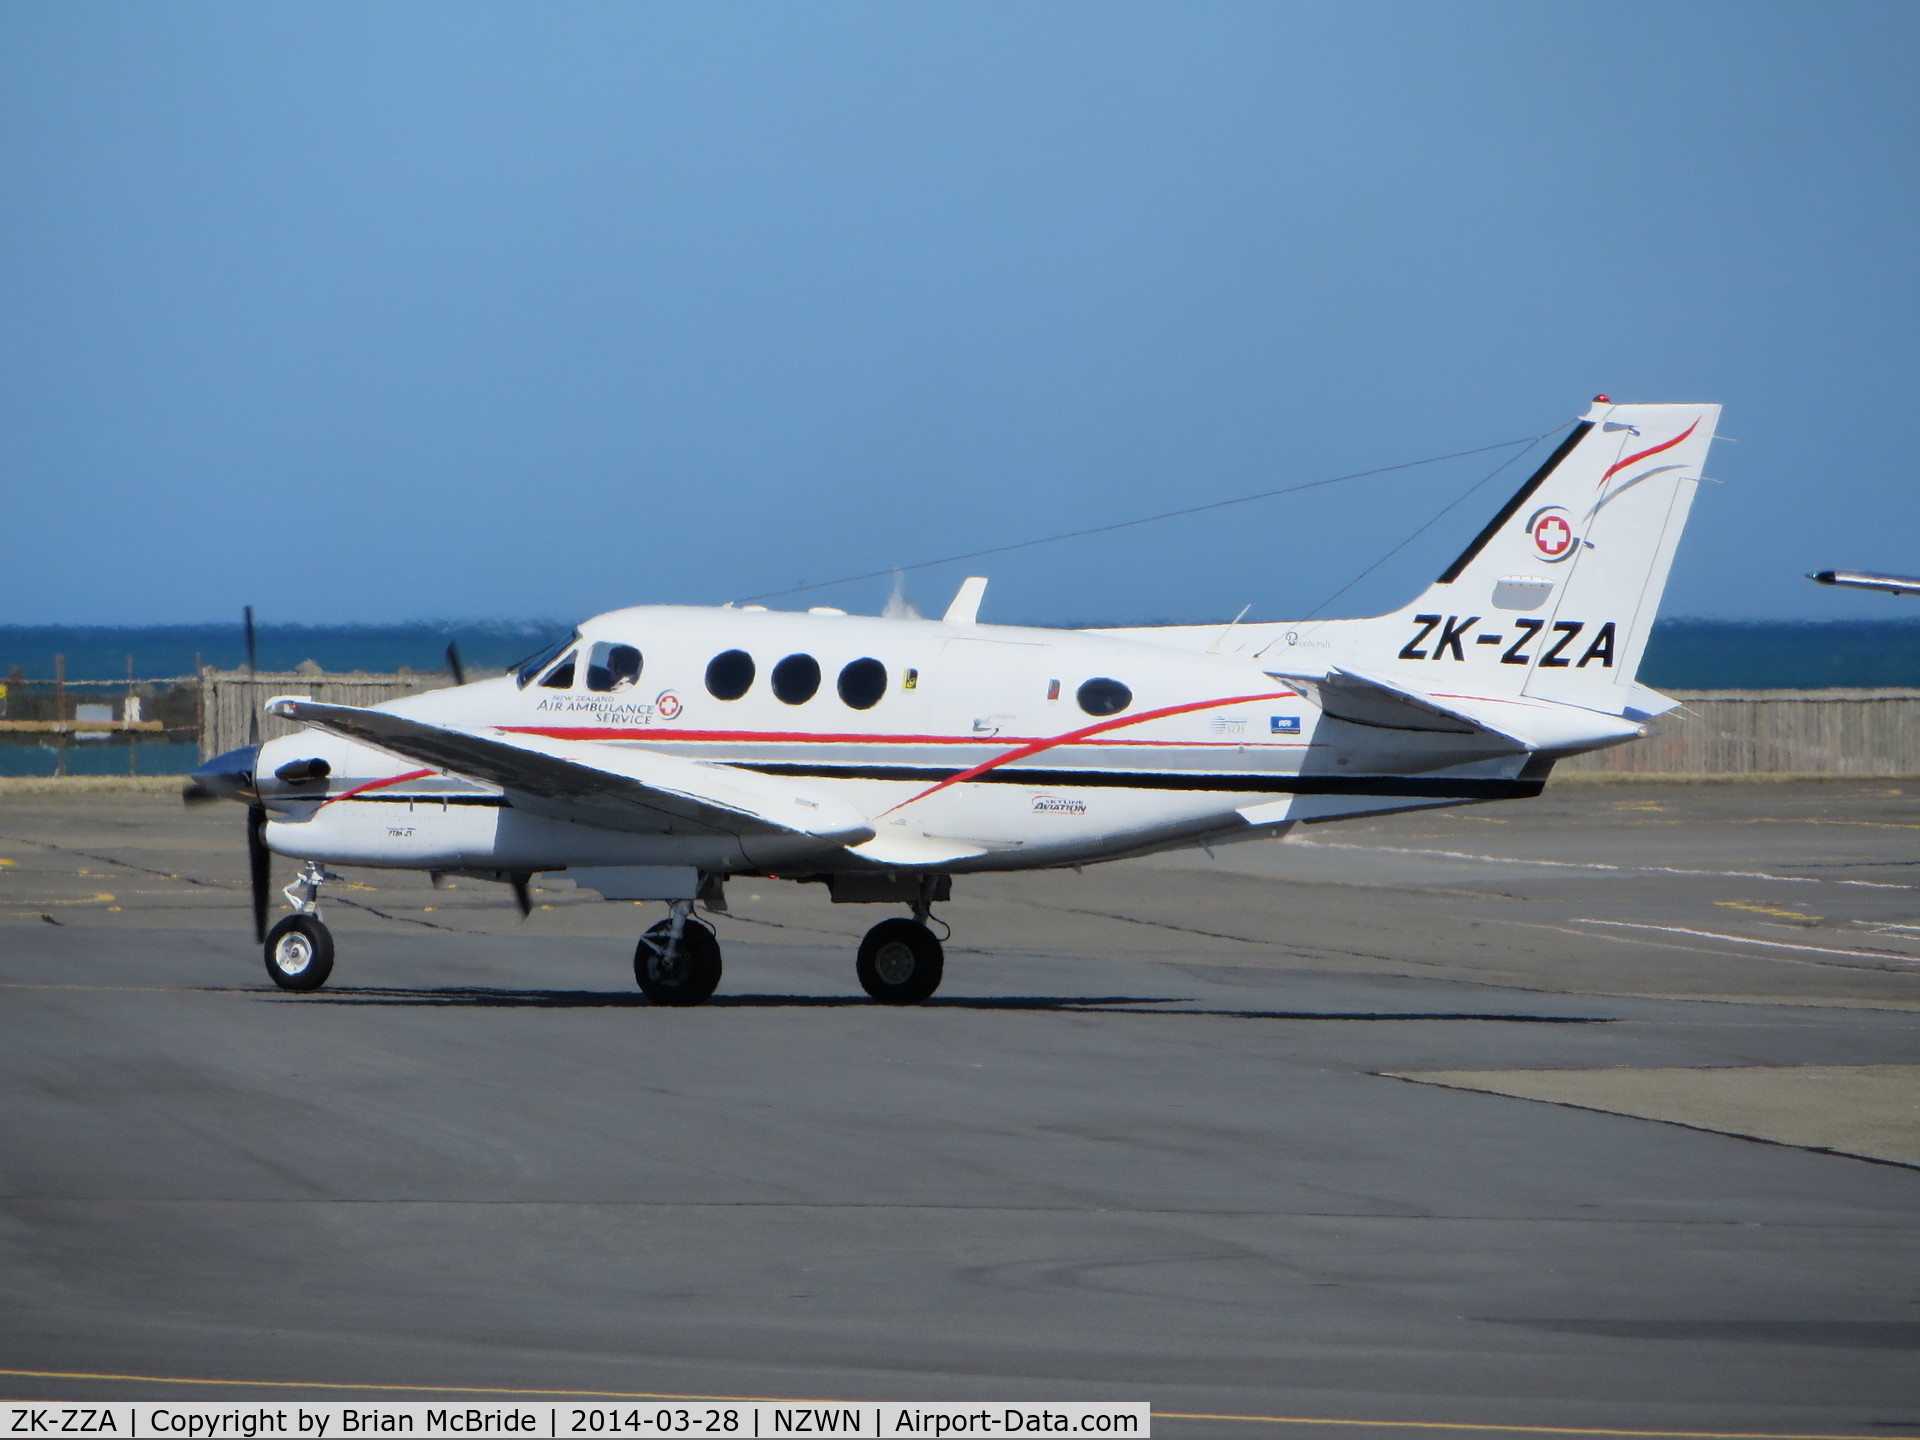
(1518, 722)
(1868, 580)
(629, 789)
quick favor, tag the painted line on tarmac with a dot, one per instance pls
(1748, 940)
(492, 1390)
(779, 1400)
(1594, 865)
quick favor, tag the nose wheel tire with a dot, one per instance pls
(690, 977)
(900, 962)
(299, 953)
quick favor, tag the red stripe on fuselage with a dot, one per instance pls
(1072, 737)
(672, 732)
(1653, 450)
(662, 734)
(377, 785)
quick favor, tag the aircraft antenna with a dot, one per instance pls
(1434, 520)
(1526, 441)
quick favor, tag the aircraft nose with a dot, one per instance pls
(224, 777)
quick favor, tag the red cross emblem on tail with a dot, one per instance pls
(1552, 532)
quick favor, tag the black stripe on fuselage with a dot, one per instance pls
(1521, 496)
(1425, 787)
(497, 801)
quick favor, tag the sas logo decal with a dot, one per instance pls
(1552, 532)
(1556, 651)
(1057, 805)
(1283, 725)
(667, 706)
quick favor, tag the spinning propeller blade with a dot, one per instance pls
(519, 883)
(259, 863)
(253, 693)
(454, 667)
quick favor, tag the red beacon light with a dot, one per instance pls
(1601, 400)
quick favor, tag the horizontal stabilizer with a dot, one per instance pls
(632, 788)
(1513, 722)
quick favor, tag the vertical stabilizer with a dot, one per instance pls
(1555, 598)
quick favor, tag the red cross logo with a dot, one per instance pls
(1552, 535)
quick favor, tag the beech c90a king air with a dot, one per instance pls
(659, 751)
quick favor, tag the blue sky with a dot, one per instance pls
(381, 312)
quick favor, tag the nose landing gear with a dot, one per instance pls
(677, 962)
(299, 949)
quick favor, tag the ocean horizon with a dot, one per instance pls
(1683, 654)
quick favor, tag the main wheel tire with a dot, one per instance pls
(900, 962)
(299, 953)
(691, 977)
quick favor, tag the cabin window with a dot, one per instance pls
(729, 674)
(796, 679)
(530, 668)
(561, 676)
(612, 667)
(862, 683)
(1101, 696)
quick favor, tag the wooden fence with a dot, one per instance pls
(227, 697)
(1773, 732)
(1714, 732)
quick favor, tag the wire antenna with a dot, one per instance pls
(1527, 441)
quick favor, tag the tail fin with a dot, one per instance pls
(1556, 597)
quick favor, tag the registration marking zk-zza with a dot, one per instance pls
(1555, 648)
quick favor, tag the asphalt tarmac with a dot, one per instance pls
(1189, 1130)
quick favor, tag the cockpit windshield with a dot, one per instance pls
(524, 676)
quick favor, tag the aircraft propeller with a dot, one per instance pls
(259, 866)
(230, 777)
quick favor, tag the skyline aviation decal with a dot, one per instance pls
(1556, 651)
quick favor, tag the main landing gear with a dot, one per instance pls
(300, 947)
(900, 961)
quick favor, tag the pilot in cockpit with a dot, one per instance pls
(612, 667)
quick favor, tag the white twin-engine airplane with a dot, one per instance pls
(660, 750)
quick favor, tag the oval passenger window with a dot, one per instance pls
(1101, 696)
(729, 674)
(863, 683)
(796, 678)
